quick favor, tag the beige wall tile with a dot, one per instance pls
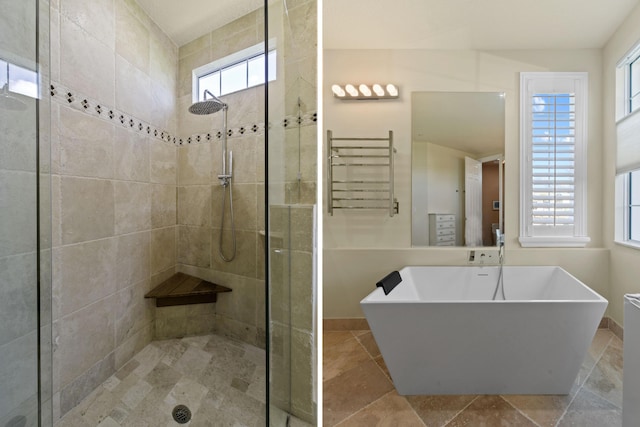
(302, 227)
(302, 367)
(17, 29)
(94, 17)
(232, 328)
(242, 39)
(300, 153)
(86, 336)
(88, 210)
(163, 249)
(201, 43)
(73, 394)
(86, 64)
(244, 107)
(163, 54)
(302, 294)
(87, 274)
(86, 145)
(163, 205)
(133, 259)
(133, 312)
(131, 155)
(18, 137)
(163, 162)
(244, 263)
(17, 233)
(244, 206)
(194, 246)
(163, 107)
(186, 67)
(194, 164)
(132, 89)
(132, 207)
(19, 358)
(244, 158)
(17, 309)
(194, 205)
(54, 43)
(240, 304)
(125, 351)
(132, 38)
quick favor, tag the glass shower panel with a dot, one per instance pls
(291, 152)
(25, 267)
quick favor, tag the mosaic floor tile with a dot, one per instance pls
(221, 380)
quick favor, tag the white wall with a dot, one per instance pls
(353, 240)
(625, 262)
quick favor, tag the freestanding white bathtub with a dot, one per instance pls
(440, 332)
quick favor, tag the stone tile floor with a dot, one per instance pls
(221, 380)
(357, 391)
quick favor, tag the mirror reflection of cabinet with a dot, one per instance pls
(447, 128)
(442, 229)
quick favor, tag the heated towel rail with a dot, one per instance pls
(360, 173)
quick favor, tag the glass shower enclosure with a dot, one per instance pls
(25, 249)
(291, 212)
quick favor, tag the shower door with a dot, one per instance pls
(25, 288)
(290, 210)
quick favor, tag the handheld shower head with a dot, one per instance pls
(207, 106)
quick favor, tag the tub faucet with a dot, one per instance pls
(500, 244)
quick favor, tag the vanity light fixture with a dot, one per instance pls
(351, 90)
(338, 91)
(364, 91)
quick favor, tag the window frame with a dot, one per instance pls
(623, 82)
(228, 62)
(534, 83)
(624, 111)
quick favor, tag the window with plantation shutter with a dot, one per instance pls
(553, 159)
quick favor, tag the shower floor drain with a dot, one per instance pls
(181, 414)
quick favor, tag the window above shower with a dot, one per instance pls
(235, 72)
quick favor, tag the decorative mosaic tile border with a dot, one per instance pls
(65, 96)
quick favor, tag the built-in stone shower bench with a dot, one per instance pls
(175, 316)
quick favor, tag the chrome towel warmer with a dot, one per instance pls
(360, 173)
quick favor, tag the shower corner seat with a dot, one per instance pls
(183, 289)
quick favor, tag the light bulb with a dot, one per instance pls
(392, 90)
(338, 91)
(364, 89)
(351, 90)
(378, 89)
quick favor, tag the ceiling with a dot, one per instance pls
(186, 20)
(421, 24)
(471, 24)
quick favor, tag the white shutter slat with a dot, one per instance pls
(553, 159)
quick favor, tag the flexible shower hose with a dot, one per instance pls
(233, 226)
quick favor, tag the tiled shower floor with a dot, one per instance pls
(221, 380)
(357, 391)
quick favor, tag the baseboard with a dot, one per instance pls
(613, 326)
(354, 324)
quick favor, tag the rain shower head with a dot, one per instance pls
(207, 106)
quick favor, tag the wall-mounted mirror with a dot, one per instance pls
(457, 168)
